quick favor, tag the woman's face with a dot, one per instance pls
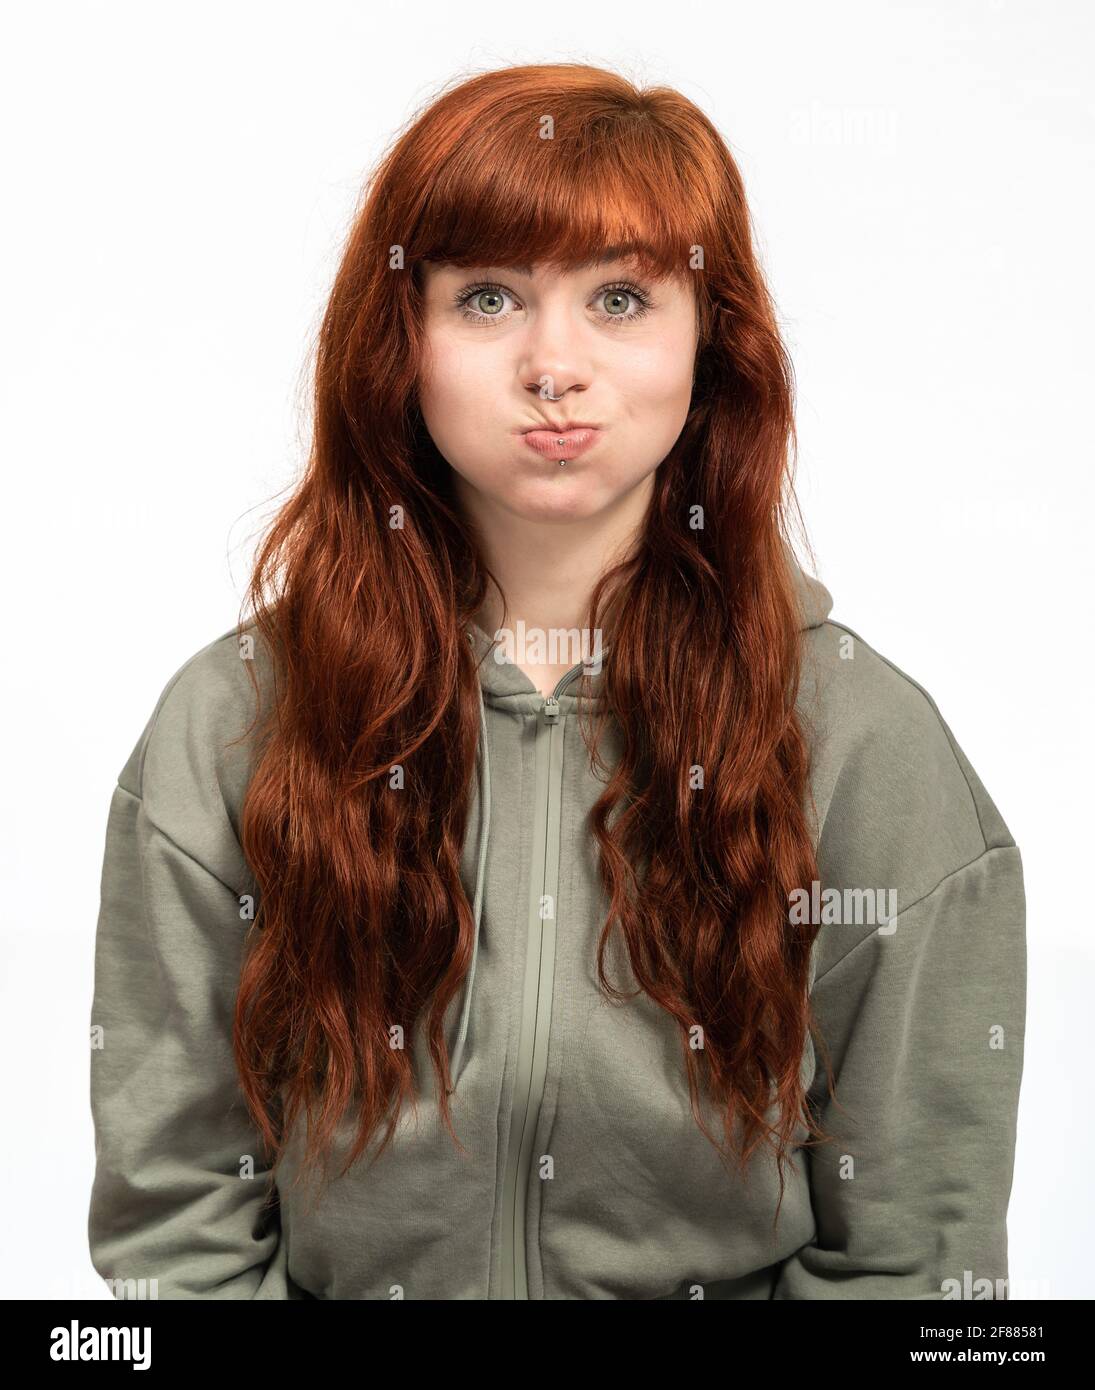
(615, 351)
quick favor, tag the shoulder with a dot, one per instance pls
(898, 804)
(193, 760)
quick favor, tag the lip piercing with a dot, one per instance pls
(562, 462)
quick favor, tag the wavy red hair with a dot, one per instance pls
(363, 920)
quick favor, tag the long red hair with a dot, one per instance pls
(363, 919)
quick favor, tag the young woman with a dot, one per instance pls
(437, 960)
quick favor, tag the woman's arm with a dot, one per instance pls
(924, 1016)
(925, 1027)
(180, 1181)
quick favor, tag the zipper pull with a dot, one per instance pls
(551, 709)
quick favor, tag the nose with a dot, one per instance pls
(555, 356)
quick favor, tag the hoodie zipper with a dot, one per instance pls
(538, 991)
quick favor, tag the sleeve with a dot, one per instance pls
(924, 1019)
(181, 1195)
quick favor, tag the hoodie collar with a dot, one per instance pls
(503, 681)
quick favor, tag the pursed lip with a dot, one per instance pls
(556, 428)
(562, 444)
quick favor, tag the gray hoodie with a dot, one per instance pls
(585, 1174)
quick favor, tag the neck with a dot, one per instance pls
(548, 569)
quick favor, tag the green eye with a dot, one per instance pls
(488, 302)
(481, 303)
(615, 301)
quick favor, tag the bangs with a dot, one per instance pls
(615, 187)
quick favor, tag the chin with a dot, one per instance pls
(555, 499)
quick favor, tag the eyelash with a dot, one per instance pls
(471, 291)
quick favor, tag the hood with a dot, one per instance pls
(814, 599)
(500, 680)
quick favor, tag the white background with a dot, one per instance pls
(178, 180)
